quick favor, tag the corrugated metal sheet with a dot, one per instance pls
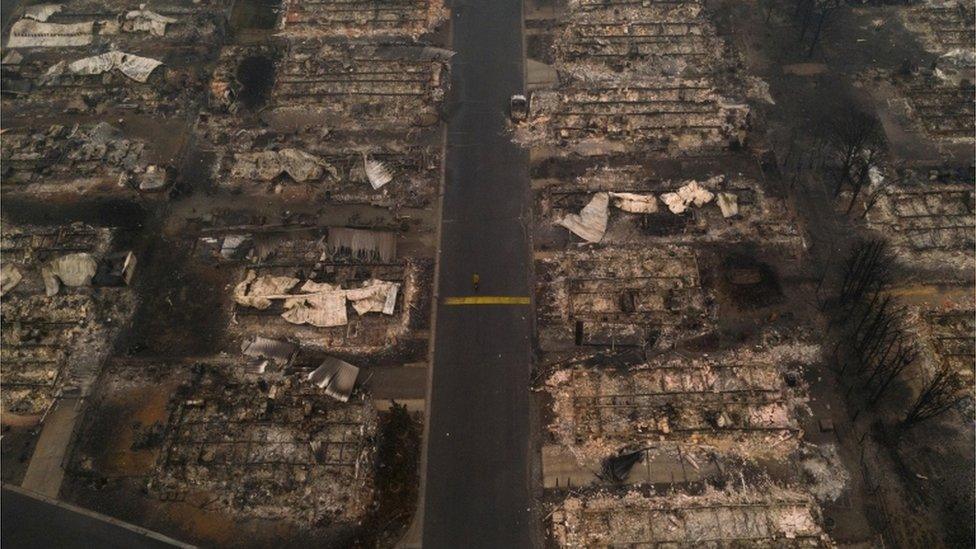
(337, 377)
(363, 244)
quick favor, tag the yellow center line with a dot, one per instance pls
(487, 300)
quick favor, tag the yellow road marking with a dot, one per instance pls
(487, 300)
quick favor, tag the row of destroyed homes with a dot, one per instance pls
(926, 210)
(272, 168)
(911, 192)
(673, 370)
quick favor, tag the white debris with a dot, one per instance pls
(143, 20)
(254, 291)
(875, 176)
(108, 27)
(375, 296)
(323, 310)
(635, 203)
(960, 57)
(312, 287)
(317, 303)
(674, 202)
(13, 57)
(695, 193)
(154, 178)
(826, 472)
(377, 172)
(591, 223)
(688, 194)
(9, 278)
(70, 270)
(28, 33)
(267, 165)
(42, 12)
(729, 204)
(324, 305)
(133, 66)
(321, 304)
(234, 244)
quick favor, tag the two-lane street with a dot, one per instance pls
(477, 468)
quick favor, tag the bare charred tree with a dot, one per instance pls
(887, 366)
(878, 349)
(857, 142)
(939, 393)
(770, 4)
(866, 270)
(803, 13)
(824, 10)
(812, 18)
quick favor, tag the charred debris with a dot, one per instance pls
(224, 230)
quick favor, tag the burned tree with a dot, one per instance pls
(812, 18)
(878, 348)
(856, 140)
(866, 270)
(939, 393)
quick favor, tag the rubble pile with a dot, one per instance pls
(646, 75)
(98, 58)
(940, 98)
(622, 297)
(55, 338)
(79, 159)
(941, 102)
(724, 208)
(929, 220)
(945, 335)
(779, 518)
(669, 39)
(333, 165)
(361, 19)
(736, 402)
(277, 450)
(38, 337)
(943, 25)
(330, 288)
(649, 113)
(360, 86)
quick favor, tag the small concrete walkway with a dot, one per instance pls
(45, 471)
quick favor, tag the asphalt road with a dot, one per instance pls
(28, 522)
(477, 474)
